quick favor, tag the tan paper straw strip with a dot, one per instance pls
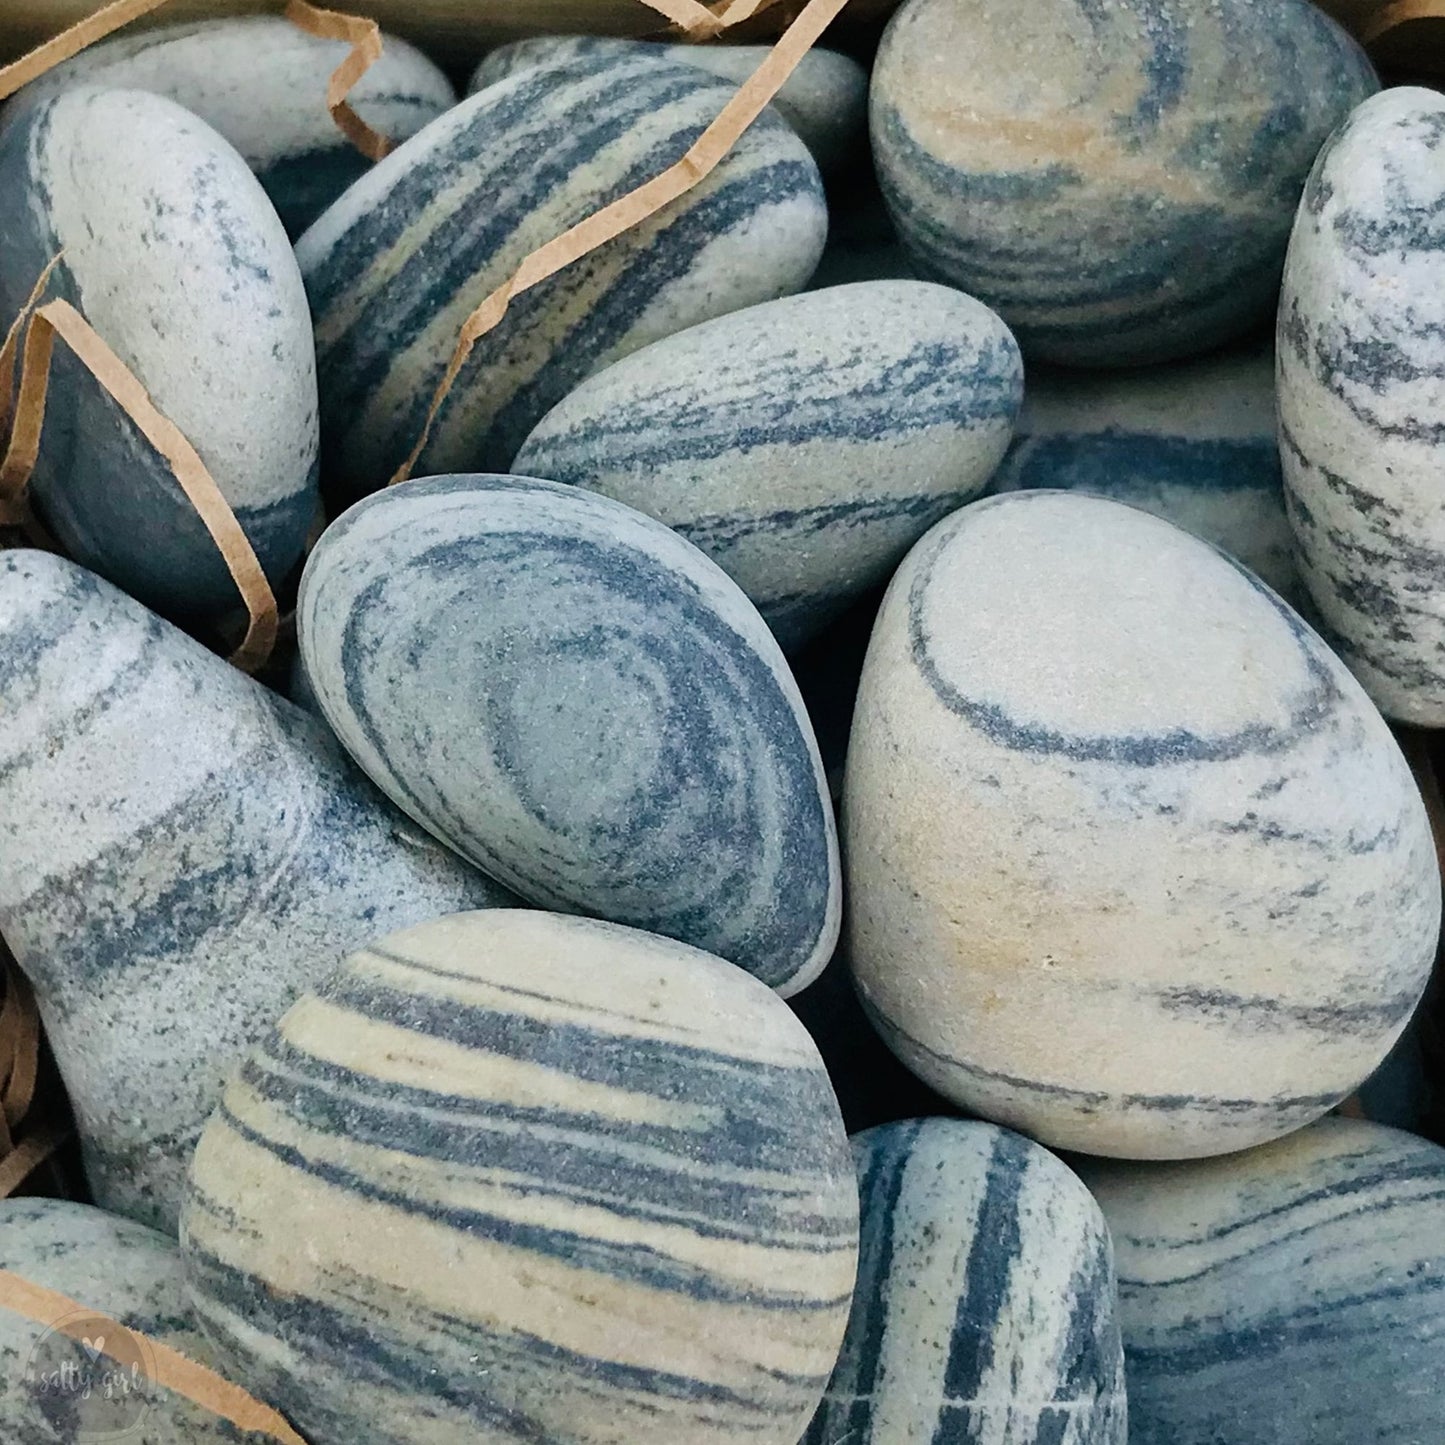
(11, 345)
(700, 160)
(1391, 17)
(364, 37)
(106, 21)
(21, 1155)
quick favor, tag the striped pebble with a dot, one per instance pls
(261, 83)
(181, 852)
(1134, 866)
(395, 267)
(804, 444)
(577, 700)
(1117, 180)
(1290, 1294)
(1193, 443)
(1362, 397)
(985, 1305)
(176, 257)
(512, 1176)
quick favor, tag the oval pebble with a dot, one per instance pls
(395, 267)
(1362, 398)
(530, 1178)
(1291, 1293)
(577, 700)
(1134, 866)
(181, 851)
(985, 1306)
(261, 83)
(175, 256)
(804, 444)
(1116, 180)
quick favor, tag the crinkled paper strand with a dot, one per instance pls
(22, 1150)
(106, 21)
(1381, 22)
(364, 38)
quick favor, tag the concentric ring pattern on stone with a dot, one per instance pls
(581, 703)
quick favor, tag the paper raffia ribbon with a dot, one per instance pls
(1387, 18)
(364, 38)
(22, 1149)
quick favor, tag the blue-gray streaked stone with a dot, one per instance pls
(985, 1309)
(579, 701)
(261, 82)
(804, 444)
(181, 852)
(1290, 1293)
(1134, 865)
(1362, 397)
(1116, 180)
(397, 264)
(516, 1176)
(175, 256)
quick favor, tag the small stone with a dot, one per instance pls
(514, 1176)
(804, 444)
(577, 700)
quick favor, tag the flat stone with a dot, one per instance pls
(175, 256)
(1118, 180)
(514, 1176)
(577, 700)
(395, 267)
(181, 852)
(1134, 866)
(804, 444)
(1362, 394)
(985, 1306)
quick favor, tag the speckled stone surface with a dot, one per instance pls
(1362, 397)
(1117, 180)
(985, 1304)
(1193, 443)
(1133, 864)
(176, 257)
(825, 99)
(261, 82)
(1292, 1293)
(804, 444)
(577, 700)
(395, 267)
(181, 851)
(515, 1176)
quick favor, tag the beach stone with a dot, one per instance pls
(985, 1306)
(1118, 180)
(573, 697)
(395, 267)
(1193, 443)
(1134, 866)
(804, 444)
(181, 852)
(261, 82)
(175, 256)
(1362, 395)
(1290, 1293)
(515, 1176)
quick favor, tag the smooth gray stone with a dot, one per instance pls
(580, 702)
(985, 1308)
(1289, 1294)
(804, 444)
(1362, 398)
(261, 83)
(1116, 180)
(395, 267)
(181, 851)
(175, 256)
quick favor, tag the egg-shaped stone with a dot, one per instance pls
(1362, 398)
(1134, 865)
(395, 267)
(804, 444)
(1289, 1293)
(985, 1307)
(516, 1176)
(174, 255)
(577, 700)
(1117, 181)
(181, 852)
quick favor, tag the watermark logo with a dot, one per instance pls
(92, 1379)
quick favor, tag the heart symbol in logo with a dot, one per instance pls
(94, 1347)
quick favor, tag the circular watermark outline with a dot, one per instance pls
(92, 1379)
